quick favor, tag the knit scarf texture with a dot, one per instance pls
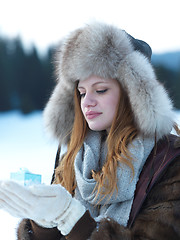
(92, 156)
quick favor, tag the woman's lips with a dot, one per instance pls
(91, 115)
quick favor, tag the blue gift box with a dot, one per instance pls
(25, 177)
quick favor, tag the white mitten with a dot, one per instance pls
(49, 206)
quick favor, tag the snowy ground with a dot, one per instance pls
(23, 144)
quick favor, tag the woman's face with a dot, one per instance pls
(99, 100)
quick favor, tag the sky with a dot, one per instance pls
(45, 22)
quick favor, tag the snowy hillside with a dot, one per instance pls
(23, 144)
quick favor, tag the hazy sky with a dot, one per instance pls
(44, 22)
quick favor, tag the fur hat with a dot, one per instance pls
(109, 52)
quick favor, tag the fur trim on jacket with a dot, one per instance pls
(108, 52)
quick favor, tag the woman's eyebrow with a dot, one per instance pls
(99, 83)
(94, 84)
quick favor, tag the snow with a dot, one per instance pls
(24, 144)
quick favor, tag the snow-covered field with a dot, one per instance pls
(23, 144)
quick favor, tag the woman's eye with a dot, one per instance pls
(82, 95)
(102, 91)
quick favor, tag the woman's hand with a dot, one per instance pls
(49, 206)
(40, 203)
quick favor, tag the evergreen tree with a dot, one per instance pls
(171, 81)
(5, 84)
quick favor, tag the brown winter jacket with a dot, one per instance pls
(157, 219)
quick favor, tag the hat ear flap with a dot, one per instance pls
(59, 113)
(151, 106)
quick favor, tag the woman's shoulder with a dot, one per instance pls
(159, 214)
(162, 165)
(163, 158)
(167, 187)
(168, 160)
(167, 157)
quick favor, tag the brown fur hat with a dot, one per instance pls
(109, 52)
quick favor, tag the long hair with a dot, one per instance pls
(122, 132)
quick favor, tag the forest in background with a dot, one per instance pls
(27, 79)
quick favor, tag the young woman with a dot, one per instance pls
(119, 177)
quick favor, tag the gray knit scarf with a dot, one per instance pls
(92, 157)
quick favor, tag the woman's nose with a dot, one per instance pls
(89, 100)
